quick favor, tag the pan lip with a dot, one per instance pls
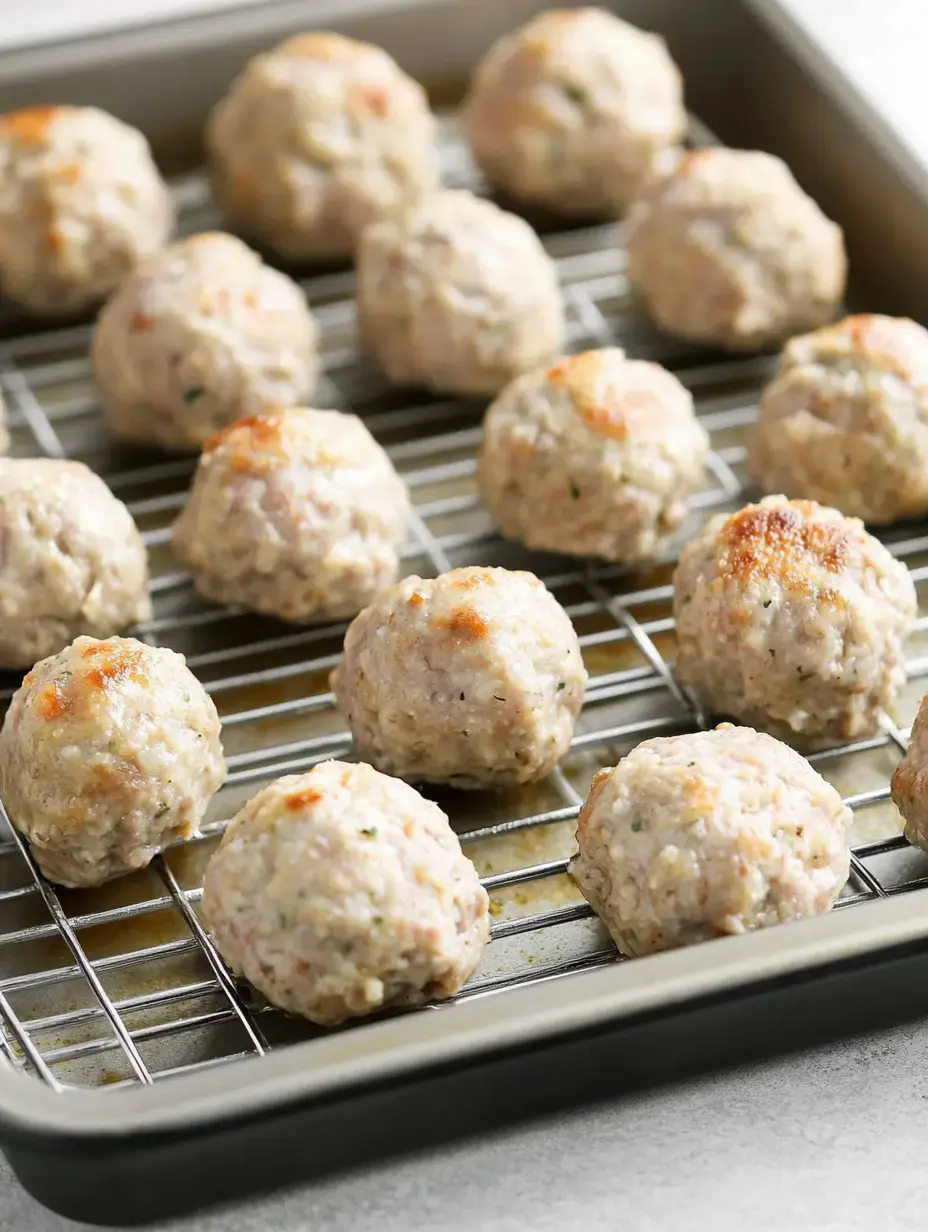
(505, 1020)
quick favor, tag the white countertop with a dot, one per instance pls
(835, 1138)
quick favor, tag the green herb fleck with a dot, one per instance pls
(576, 94)
(378, 919)
(767, 602)
(186, 697)
(637, 825)
(194, 394)
(370, 832)
(691, 763)
(574, 491)
(773, 653)
(162, 809)
(561, 686)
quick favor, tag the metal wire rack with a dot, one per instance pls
(121, 984)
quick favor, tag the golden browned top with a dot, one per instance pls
(256, 444)
(465, 623)
(613, 396)
(894, 344)
(103, 666)
(305, 797)
(781, 542)
(31, 125)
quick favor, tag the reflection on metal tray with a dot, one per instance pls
(119, 1021)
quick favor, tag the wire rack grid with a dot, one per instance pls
(121, 985)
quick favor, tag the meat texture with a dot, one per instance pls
(81, 201)
(109, 751)
(295, 514)
(316, 139)
(458, 295)
(199, 336)
(473, 678)
(571, 111)
(910, 781)
(703, 835)
(593, 457)
(725, 248)
(791, 617)
(71, 559)
(341, 891)
(845, 420)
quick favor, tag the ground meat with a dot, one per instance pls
(109, 751)
(910, 781)
(698, 836)
(315, 140)
(71, 559)
(341, 891)
(791, 617)
(571, 111)
(473, 678)
(295, 514)
(845, 421)
(592, 457)
(458, 295)
(727, 249)
(199, 336)
(80, 202)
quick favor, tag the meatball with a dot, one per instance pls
(727, 249)
(910, 781)
(295, 514)
(199, 336)
(698, 836)
(109, 751)
(4, 430)
(341, 891)
(315, 140)
(458, 295)
(593, 457)
(791, 617)
(80, 202)
(71, 559)
(845, 421)
(571, 111)
(473, 678)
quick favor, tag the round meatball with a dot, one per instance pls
(341, 891)
(727, 249)
(199, 336)
(592, 457)
(109, 751)
(315, 140)
(699, 836)
(458, 295)
(80, 202)
(791, 617)
(474, 678)
(71, 559)
(845, 421)
(571, 111)
(295, 514)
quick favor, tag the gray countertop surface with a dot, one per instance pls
(831, 1138)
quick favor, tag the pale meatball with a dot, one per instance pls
(910, 781)
(4, 430)
(109, 751)
(727, 249)
(295, 514)
(845, 421)
(593, 457)
(791, 617)
(474, 678)
(316, 139)
(700, 836)
(81, 201)
(71, 559)
(199, 336)
(571, 111)
(341, 891)
(458, 295)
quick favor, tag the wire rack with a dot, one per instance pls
(121, 984)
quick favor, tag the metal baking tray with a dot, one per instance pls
(127, 1052)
